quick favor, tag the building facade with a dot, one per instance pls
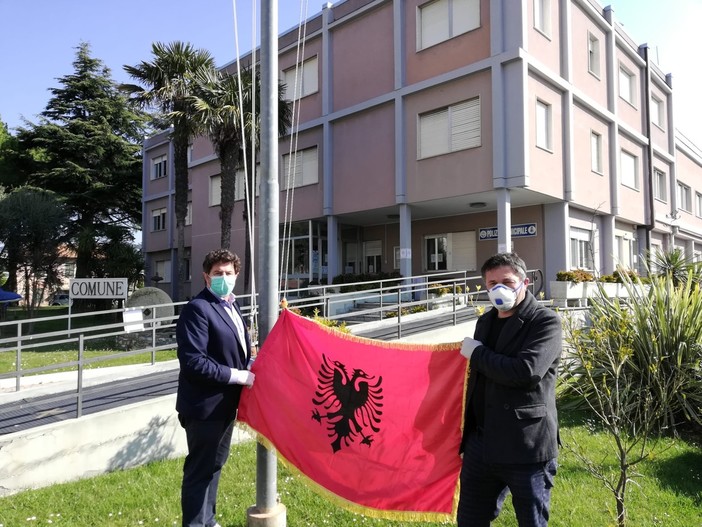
(433, 134)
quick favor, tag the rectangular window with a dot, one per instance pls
(660, 185)
(436, 253)
(303, 171)
(543, 125)
(698, 204)
(163, 270)
(624, 250)
(442, 20)
(684, 197)
(542, 16)
(628, 166)
(581, 256)
(626, 85)
(596, 152)
(301, 80)
(449, 129)
(159, 168)
(593, 55)
(657, 111)
(240, 184)
(215, 190)
(158, 220)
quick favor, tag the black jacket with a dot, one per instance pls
(521, 422)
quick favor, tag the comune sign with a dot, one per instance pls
(98, 288)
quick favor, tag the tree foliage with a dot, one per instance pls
(32, 228)
(166, 83)
(227, 106)
(87, 148)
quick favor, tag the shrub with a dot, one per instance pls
(577, 275)
(647, 349)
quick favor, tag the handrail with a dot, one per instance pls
(388, 301)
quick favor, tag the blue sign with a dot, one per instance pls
(523, 230)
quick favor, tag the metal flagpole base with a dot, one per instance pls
(274, 517)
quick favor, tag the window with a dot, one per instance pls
(69, 270)
(684, 197)
(444, 19)
(396, 257)
(543, 125)
(596, 152)
(435, 253)
(190, 153)
(240, 184)
(581, 256)
(542, 16)
(162, 268)
(301, 81)
(657, 111)
(304, 170)
(159, 168)
(158, 219)
(215, 190)
(624, 249)
(449, 129)
(660, 185)
(593, 55)
(698, 204)
(628, 166)
(626, 85)
(372, 256)
(189, 214)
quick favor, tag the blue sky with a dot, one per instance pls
(38, 40)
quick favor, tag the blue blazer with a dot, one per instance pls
(208, 348)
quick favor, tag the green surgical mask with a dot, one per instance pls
(222, 285)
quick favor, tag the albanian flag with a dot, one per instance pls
(376, 426)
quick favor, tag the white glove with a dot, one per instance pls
(468, 347)
(244, 377)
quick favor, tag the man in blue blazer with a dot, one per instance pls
(213, 350)
(510, 441)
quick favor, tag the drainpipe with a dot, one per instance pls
(649, 152)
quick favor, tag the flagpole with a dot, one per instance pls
(268, 512)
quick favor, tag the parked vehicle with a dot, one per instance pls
(61, 299)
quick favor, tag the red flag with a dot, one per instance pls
(376, 424)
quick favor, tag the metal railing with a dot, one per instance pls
(387, 302)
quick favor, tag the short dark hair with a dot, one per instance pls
(505, 260)
(221, 256)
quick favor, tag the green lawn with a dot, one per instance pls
(668, 494)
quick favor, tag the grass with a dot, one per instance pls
(668, 493)
(67, 351)
(35, 359)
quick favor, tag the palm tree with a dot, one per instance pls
(223, 104)
(166, 82)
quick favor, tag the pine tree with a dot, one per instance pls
(87, 149)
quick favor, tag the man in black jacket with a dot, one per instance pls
(510, 440)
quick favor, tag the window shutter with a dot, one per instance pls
(309, 169)
(309, 77)
(465, 16)
(434, 23)
(215, 190)
(465, 125)
(433, 139)
(463, 251)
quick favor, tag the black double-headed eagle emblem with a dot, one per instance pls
(352, 403)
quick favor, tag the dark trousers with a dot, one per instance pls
(208, 449)
(484, 487)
